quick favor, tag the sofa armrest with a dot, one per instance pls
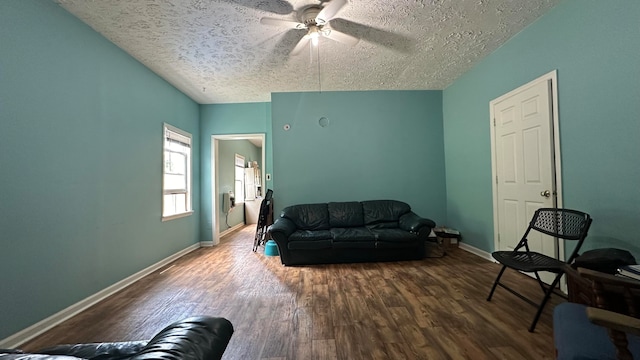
(614, 320)
(281, 229)
(414, 223)
(195, 338)
(29, 356)
(110, 350)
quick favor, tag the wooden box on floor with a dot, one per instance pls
(434, 249)
(448, 242)
(448, 238)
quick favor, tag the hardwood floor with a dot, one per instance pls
(430, 309)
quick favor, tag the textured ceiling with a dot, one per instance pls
(216, 51)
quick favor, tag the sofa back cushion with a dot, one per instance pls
(345, 214)
(384, 213)
(308, 216)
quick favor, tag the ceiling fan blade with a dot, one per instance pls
(281, 7)
(328, 12)
(341, 37)
(282, 23)
(391, 40)
(301, 45)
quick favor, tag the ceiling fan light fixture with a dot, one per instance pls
(315, 19)
(314, 34)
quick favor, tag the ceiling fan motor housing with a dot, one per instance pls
(308, 16)
(315, 20)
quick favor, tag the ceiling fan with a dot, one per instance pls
(315, 20)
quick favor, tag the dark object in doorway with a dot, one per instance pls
(265, 218)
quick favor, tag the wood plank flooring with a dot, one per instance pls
(430, 309)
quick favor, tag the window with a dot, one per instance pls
(176, 173)
(239, 177)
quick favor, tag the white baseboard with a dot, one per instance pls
(476, 251)
(206, 243)
(40, 327)
(232, 229)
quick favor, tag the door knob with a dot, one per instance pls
(545, 193)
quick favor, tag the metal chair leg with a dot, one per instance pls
(540, 282)
(547, 295)
(260, 238)
(257, 240)
(495, 284)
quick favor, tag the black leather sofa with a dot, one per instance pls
(339, 232)
(195, 338)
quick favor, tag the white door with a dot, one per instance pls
(523, 149)
(249, 184)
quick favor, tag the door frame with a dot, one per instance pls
(215, 183)
(551, 77)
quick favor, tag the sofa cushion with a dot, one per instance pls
(352, 234)
(384, 225)
(310, 244)
(354, 245)
(308, 235)
(345, 214)
(308, 216)
(394, 235)
(310, 240)
(576, 337)
(381, 211)
(395, 244)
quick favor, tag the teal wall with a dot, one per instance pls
(378, 145)
(595, 46)
(82, 123)
(226, 119)
(227, 150)
(81, 159)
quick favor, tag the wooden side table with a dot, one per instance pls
(578, 288)
(445, 235)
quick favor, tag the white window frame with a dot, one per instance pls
(172, 133)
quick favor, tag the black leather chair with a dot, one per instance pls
(195, 338)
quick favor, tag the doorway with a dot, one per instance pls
(525, 154)
(216, 189)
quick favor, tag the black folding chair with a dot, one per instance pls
(263, 220)
(558, 223)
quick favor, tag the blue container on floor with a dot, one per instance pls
(271, 248)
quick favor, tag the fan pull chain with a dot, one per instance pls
(319, 80)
